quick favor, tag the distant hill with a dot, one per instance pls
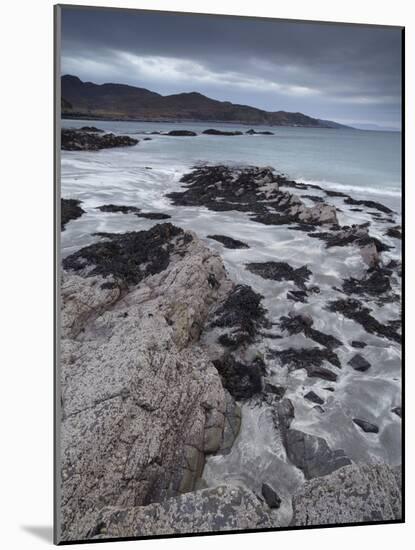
(119, 101)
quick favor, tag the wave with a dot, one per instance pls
(387, 191)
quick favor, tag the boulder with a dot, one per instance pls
(181, 133)
(270, 496)
(359, 363)
(70, 210)
(314, 398)
(78, 140)
(366, 426)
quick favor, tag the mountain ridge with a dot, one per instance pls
(116, 101)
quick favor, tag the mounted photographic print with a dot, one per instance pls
(228, 274)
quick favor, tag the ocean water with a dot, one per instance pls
(361, 163)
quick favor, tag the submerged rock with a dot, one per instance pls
(153, 215)
(376, 282)
(280, 271)
(91, 129)
(312, 455)
(359, 363)
(184, 133)
(295, 324)
(366, 426)
(395, 232)
(355, 310)
(77, 140)
(228, 242)
(213, 132)
(70, 210)
(353, 494)
(368, 204)
(358, 344)
(307, 358)
(313, 397)
(118, 208)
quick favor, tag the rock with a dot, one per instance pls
(297, 296)
(314, 198)
(70, 210)
(228, 242)
(242, 381)
(77, 140)
(313, 397)
(241, 316)
(141, 402)
(376, 282)
(118, 208)
(397, 411)
(312, 455)
(285, 416)
(306, 358)
(395, 232)
(353, 309)
(213, 132)
(250, 189)
(224, 508)
(280, 271)
(353, 494)
(253, 132)
(369, 204)
(153, 215)
(359, 363)
(295, 324)
(147, 139)
(129, 257)
(358, 344)
(232, 425)
(277, 391)
(270, 496)
(366, 426)
(90, 129)
(184, 133)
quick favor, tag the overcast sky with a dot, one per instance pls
(345, 73)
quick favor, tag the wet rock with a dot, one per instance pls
(118, 208)
(354, 309)
(312, 455)
(128, 257)
(285, 415)
(228, 242)
(147, 139)
(353, 494)
(314, 198)
(242, 381)
(306, 358)
(358, 344)
(297, 296)
(270, 496)
(223, 508)
(376, 282)
(153, 215)
(359, 363)
(277, 391)
(397, 411)
(77, 140)
(366, 426)
(253, 132)
(330, 193)
(70, 210)
(314, 398)
(241, 315)
(280, 271)
(395, 232)
(90, 129)
(179, 133)
(369, 204)
(142, 404)
(294, 324)
(213, 132)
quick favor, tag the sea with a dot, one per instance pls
(363, 164)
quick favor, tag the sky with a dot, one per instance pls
(347, 73)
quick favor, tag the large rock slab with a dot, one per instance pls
(353, 494)
(224, 508)
(141, 402)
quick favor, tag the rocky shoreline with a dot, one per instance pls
(161, 349)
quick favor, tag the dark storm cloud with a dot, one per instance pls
(345, 73)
